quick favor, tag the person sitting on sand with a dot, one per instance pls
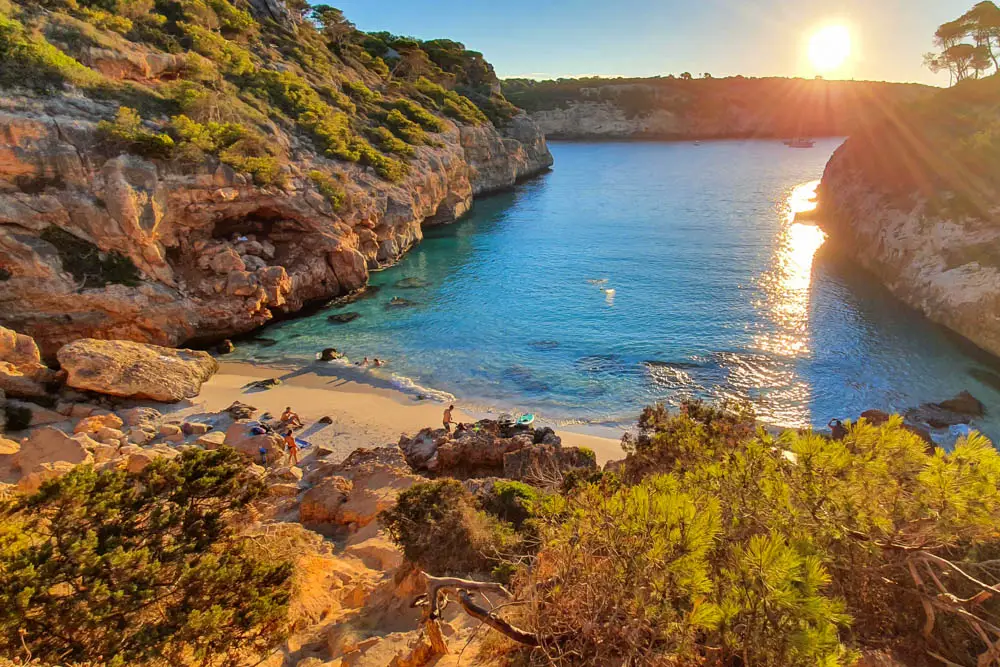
(289, 418)
(447, 420)
(293, 448)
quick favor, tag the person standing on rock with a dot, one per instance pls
(446, 419)
(293, 448)
(263, 455)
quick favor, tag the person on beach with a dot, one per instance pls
(447, 420)
(263, 455)
(363, 362)
(289, 418)
(293, 448)
(379, 362)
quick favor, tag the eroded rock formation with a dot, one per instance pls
(215, 254)
(933, 256)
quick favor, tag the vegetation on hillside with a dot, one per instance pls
(717, 543)
(358, 97)
(114, 568)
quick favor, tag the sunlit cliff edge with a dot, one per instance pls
(914, 201)
(194, 171)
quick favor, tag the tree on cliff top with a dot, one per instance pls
(117, 568)
(969, 45)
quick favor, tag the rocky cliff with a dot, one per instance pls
(916, 204)
(669, 108)
(105, 238)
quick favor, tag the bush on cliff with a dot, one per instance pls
(441, 530)
(117, 568)
(87, 264)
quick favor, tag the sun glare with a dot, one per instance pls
(829, 47)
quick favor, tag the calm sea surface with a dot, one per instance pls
(641, 272)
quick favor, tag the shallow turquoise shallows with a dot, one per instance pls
(637, 272)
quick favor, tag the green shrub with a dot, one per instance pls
(87, 264)
(31, 61)
(106, 20)
(359, 91)
(440, 530)
(233, 59)
(126, 132)
(254, 155)
(417, 114)
(389, 142)
(405, 129)
(512, 501)
(450, 102)
(727, 522)
(120, 568)
(329, 188)
(386, 167)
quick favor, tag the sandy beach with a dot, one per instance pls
(364, 415)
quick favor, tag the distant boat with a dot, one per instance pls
(697, 143)
(800, 142)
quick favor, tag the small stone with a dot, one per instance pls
(283, 489)
(326, 420)
(225, 347)
(140, 436)
(110, 435)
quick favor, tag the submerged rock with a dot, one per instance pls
(343, 318)
(135, 370)
(330, 354)
(400, 302)
(544, 345)
(412, 283)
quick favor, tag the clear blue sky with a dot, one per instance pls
(553, 38)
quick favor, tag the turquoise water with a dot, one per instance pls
(716, 293)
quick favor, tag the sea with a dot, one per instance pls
(643, 272)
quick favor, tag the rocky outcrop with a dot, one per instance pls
(22, 373)
(214, 254)
(135, 370)
(940, 261)
(489, 449)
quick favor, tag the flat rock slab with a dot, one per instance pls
(135, 370)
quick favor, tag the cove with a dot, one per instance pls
(641, 272)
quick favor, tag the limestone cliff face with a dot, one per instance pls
(736, 107)
(217, 255)
(944, 264)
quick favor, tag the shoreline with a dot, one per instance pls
(363, 413)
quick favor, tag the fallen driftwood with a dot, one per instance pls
(462, 588)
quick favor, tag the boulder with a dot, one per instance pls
(239, 411)
(321, 504)
(31, 482)
(287, 473)
(964, 404)
(22, 373)
(96, 423)
(138, 461)
(49, 445)
(141, 436)
(110, 436)
(239, 436)
(211, 440)
(283, 490)
(169, 429)
(195, 428)
(135, 370)
(141, 416)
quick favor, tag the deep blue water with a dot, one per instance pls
(716, 293)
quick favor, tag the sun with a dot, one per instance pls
(829, 47)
